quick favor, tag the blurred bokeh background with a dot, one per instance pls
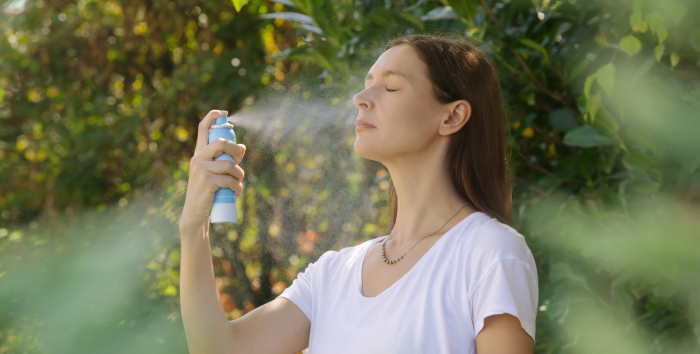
(100, 102)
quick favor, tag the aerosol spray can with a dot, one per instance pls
(224, 208)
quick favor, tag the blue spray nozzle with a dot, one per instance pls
(221, 120)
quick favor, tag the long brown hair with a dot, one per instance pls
(480, 165)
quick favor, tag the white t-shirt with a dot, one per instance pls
(478, 268)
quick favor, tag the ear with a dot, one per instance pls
(459, 113)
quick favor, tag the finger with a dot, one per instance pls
(220, 146)
(224, 167)
(204, 126)
(226, 181)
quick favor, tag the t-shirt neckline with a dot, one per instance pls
(428, 254)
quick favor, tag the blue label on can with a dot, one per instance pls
(223, 195)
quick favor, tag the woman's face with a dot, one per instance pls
(403, 110)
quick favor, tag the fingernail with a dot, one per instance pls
(224, 112)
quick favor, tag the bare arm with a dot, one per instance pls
(503, 334)
(276, 327)
(206, 325)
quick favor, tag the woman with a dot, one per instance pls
(452, 276)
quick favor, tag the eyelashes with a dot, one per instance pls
(386, 90)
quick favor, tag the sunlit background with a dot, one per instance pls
(100, 102)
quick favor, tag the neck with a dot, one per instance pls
(426, 199)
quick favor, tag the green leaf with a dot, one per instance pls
(659, 51)
(636, 18)
(654, 20)
(238, 4)
(313, 29)
(531, 98)
(562, 120)
(440, 13)
(297, 53)
(286, 2)
(588, 136)
(675, 59)
(630, 45)
(292, 16)
(662, 33)
(606, 77)
(641, 27)
(536, 46)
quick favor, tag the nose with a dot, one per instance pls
(361, 100)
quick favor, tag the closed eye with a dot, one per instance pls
(391, 90)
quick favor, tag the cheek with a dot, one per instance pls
(414, 125)
(402, 130)
(404, 108)
(410, 117)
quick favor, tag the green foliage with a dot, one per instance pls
(98, 93)
(631, 45)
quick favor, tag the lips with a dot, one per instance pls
(363, 123)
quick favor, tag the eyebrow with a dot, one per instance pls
(389, 72)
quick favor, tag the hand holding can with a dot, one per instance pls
(213, 167)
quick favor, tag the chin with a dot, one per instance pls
(364, 150)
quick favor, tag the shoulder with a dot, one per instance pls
(333, 260)
(492, 242)
(495, 240)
